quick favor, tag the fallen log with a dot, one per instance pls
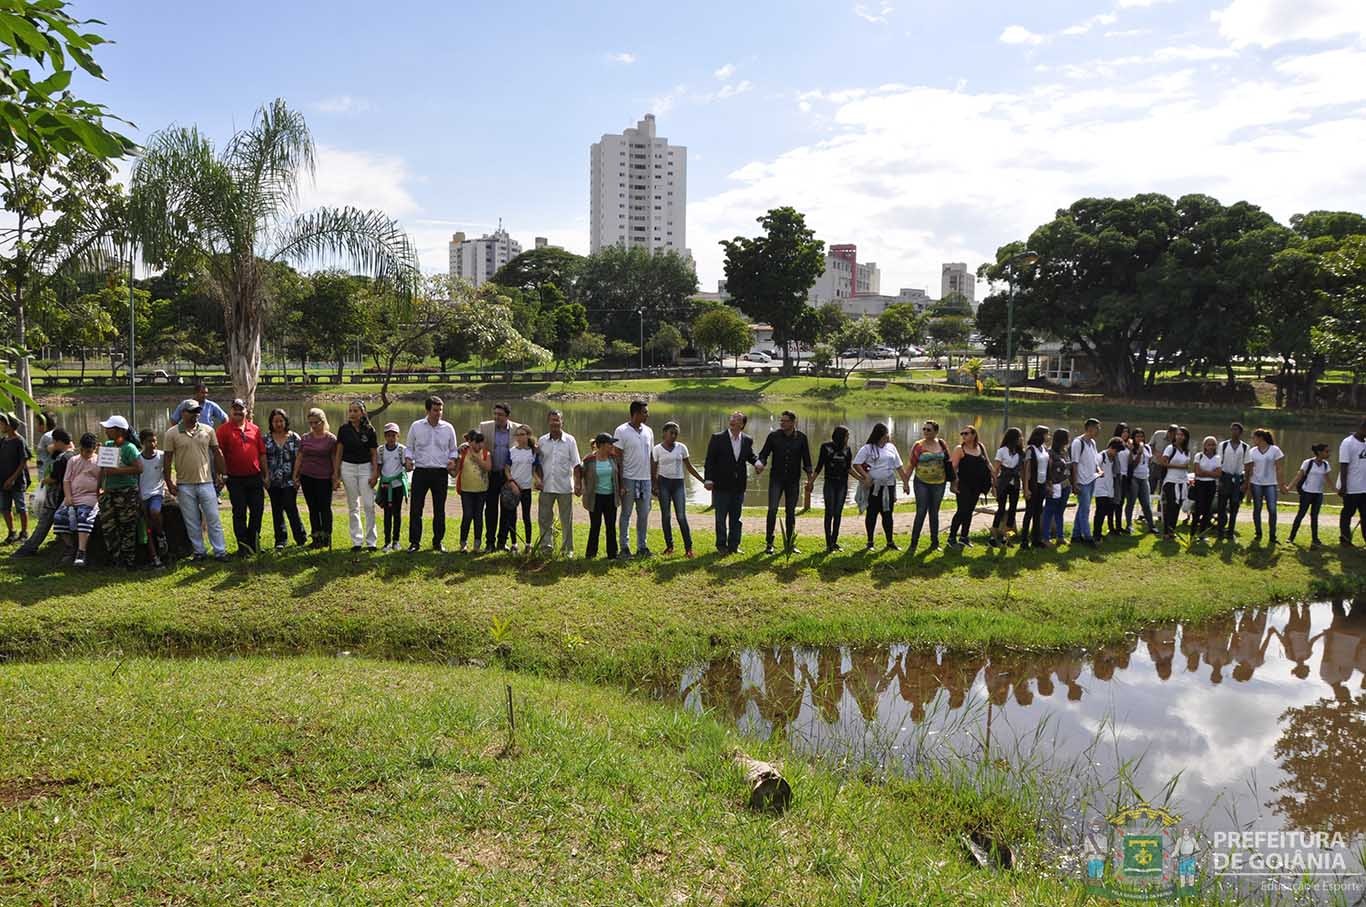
(768, 789)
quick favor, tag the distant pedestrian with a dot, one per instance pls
(790, 453)
(559, 475)
(393, 484)
(1007, 473)
(601, 491)
(282, 452)
(971, 479)
(247, 474)
(1309, 482)
(1265, 474)
(152, 495)
(315, 472)
(878, 468)
(472, 469)
(635, 442)
(498, 438)
(1352, 482)
(210, 413)
(835, 459)
(432, 449)
(671, 465)
(729, 452)
(119, 504)
(75, 519)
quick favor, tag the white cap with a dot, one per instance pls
(115, 422)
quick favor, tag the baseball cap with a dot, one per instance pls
(604, 438)
(190, 405)
(115, 422)
(391, 427)
(238, 403)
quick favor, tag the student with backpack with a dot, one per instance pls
(1207, 469)
(1106, 498)
(1310, 482)
(1006, 471)
(1174, 460)
(1034, 483)
(1139, 468)
(1232, 474)
(1059, 486)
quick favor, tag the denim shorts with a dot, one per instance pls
(152, 504)
(15, 499)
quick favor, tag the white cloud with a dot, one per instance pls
(1136, 4)
(1267, 23)
(1018, 34)
(725, 72)
(343, 103)
(1129, 33)
(863, 11)
(662, 103)
(624, 57)
(912, 197)
(1084, 27)
(733, 89)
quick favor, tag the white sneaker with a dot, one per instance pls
(569, 555)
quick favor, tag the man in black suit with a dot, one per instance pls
(725, 476)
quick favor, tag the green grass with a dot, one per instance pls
(331, 781)
(621, 622)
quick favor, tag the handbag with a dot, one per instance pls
(509, 497)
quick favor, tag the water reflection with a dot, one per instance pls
(1239, 711)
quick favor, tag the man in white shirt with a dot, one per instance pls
(1232, 463)
(635, 441)
(559, 479)
(1352, 482)
(1085, 470)
(431, 455)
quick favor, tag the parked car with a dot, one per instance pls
(883, 352)
(756, 357)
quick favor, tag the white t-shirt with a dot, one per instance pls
(1314, 475)
(671, 461)
(1177, 461)
(152, 479)
(635, 451)
(1264, 464)
(1232, 457)
(1209, 464)
(881, 462)
(520, 463)
(1041, 457)
(1353, 453)
(1144, 461)
(1087, 457)
(1105, 485)
(1007, 458)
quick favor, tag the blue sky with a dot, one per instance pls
(921, 131)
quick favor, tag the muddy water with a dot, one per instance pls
(1255, 722)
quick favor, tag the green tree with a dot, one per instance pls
(624, 290)
(860, 335)
(402, 332)
(769, 276)
(535, 268)
(586, 347)
(623, 351)
(665, 343)
(567, 321)
(901, 327)
(226, 215)
(723, 331)
(485, 322)
(1340, 335)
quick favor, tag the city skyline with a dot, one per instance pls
(953, 128)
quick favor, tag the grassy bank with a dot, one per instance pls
(343, 781)
(796, 391)
(594, 620)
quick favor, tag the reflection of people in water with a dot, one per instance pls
(723, 689)
(1249, 644)
(917, 680)
(1093, 848)
(1217, 654)
(781, 698)
(1194, 642)
(957, 673)
(869, 675)
(1069, 673)
(1295, 639)
(1187, 852)
(1341, 644)
(1109, 658)
(997, 679)
(827, 687)
(1161, 643)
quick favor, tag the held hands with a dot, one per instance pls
(374, 479)
(758, 468)
(710, 486)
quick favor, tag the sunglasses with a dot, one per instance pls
(965, 434)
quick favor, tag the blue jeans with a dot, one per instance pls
(1052, 516)
(199, 506)
(727, 505)
(673, 495)
(1081, 523)
(1264, 494)
(1139, 492)
(638, 493)
(927, 500)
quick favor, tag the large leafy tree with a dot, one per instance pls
(768, 276)
(535, 268)
(404, 331)
(627, 290)
(722, 330)
(1340, 334)
(901, 327)
(230, 214)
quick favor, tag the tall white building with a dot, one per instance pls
(638, 191)
(845, 277)
(476, 260)
(956, 278)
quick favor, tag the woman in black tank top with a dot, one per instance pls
(971, 480)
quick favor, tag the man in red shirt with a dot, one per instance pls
(244, 458)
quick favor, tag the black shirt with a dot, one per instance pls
(13, 451)
(787, 456)
(56, 492)
(835, 462)
(356, 444)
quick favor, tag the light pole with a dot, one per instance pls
(132, 341)
(1022, 259)
(641, 312)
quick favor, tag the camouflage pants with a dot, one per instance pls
(119, 515)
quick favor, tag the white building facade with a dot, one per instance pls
(638, 191)
(475, 261)
(956, 278)
(845, 278)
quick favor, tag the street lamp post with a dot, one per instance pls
(1023, 259)
(641, 313)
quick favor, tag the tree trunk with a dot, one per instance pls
(243, 328)
(768, 789)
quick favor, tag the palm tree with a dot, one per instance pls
(973, 368)
(231, 215)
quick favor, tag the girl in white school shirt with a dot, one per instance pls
(1265, 474)
(1174, 460)
(1311, 480)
